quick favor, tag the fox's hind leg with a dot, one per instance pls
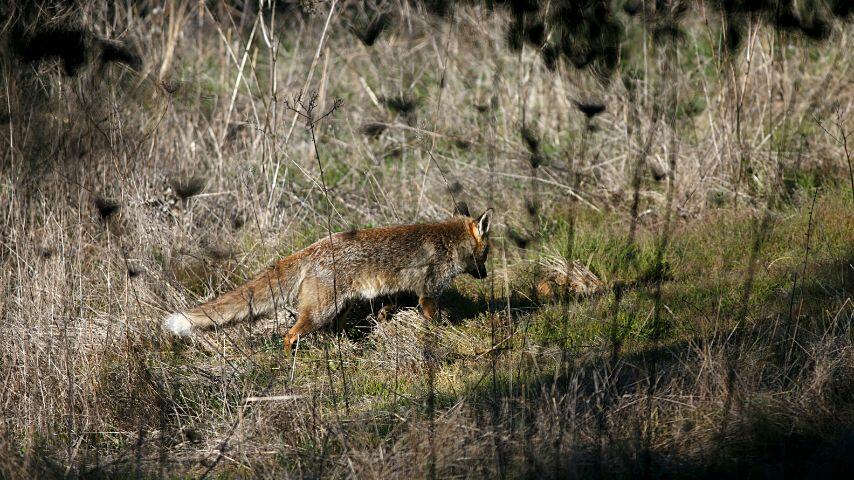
(315, 311)
(303, 326)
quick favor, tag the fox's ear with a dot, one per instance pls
(483, 222)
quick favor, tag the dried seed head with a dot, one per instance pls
(396, 152)
(369, 31)
(481, 108)
(372, 129)
(170, 86)
(530, 138)
(521, 241)
(590, 109)
(188, 188)
(192, 435)
(462, 208)
(694, 107)
(106, 207)
(402, 104)
(237, 221)
(632, 7)
(234, 128)
(658, 173)
(531, 207)
(462, 144)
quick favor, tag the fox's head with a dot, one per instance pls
(479, 230)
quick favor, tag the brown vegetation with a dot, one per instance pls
(155, 155)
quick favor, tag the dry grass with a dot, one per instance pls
(720, 343)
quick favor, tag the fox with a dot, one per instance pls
(319, 280)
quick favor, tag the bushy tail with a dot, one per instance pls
(256, 297)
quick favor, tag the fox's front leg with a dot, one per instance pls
(429, 307)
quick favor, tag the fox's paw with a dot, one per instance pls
(178, 324)
(291, 345)
(386, 312)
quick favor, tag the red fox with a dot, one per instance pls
(363, 264)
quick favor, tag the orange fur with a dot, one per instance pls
(364, 264)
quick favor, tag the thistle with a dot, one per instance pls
(590, 109)
(372, 129)
(402, 104)
(462, 208)
(368, 32)
(188, 188)
(106, 208)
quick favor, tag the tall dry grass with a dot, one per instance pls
(135, 188)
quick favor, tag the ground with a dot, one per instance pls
(712, 197)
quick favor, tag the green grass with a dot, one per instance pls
(705, 271)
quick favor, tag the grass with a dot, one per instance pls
(384, 370)
(724, 351)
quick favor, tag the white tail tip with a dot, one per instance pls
(179, 324)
